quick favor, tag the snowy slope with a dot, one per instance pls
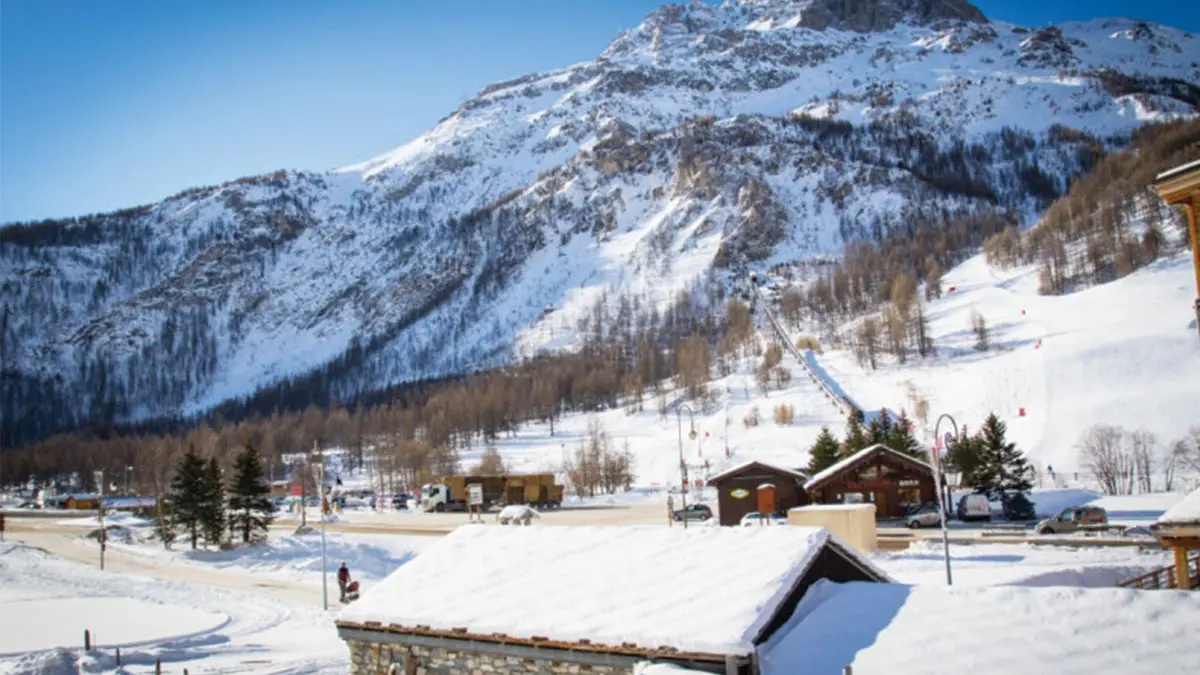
(628, 175)
(1123, 353)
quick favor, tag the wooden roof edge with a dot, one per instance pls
(537, 641)
(1179, 185)
(818, 479)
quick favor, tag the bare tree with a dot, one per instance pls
(1105, 454)
(1144, 448)
(979, 325)
(1172, 458)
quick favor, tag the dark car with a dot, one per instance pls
(1018, 507)
(693, 512)
(400, 501)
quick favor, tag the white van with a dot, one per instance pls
(974, 507)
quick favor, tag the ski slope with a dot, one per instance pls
(1123, 353)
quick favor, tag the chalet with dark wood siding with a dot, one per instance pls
(878, 475)
(738, 494)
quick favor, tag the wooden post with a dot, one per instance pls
(1183, 575)
(118, 656)
(157, 666)
(87, 640)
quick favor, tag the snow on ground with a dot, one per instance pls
(292, 557)
(48, 602)
(989, 564)
(924, 630)
(1122, 353)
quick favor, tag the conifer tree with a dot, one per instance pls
(880, 429)
(966, 453)
(212, 506)
(1007, 470)
(249, 496)
(186, 497)
(901, 439)
(824, 452)
(855, 438)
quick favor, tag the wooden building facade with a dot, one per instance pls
(1180, 187)
(737, 490)
(878, 475)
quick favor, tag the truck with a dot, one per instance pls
(451, 492)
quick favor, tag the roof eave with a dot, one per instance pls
(625, 649)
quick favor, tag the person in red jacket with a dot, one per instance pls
(343, 579)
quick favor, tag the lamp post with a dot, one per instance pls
(99, 476)
(683, 464)
(128, 471)
(318, 471)
(943, 481)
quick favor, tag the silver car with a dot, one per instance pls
(928, 515)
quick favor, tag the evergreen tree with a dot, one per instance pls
(880, 429)
(966, 453)
(186, 497)
(250, 496)
(164, 523)
(212, 508)
(1007, 470)
(855, 438)
(901, 439)
(824, 453)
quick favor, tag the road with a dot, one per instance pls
(56, 540)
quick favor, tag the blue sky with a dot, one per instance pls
(112, 103)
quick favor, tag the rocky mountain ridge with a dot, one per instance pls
(705, 141)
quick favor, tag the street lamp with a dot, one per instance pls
(99, 476)
(318, 471)
(943, 480)
(683, 464)
(128, 471)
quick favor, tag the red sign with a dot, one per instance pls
(297, 491)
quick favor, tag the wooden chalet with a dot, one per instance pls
(738, 491)
(876, 475)
(1180, 187)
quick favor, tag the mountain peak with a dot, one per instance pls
(865, 16)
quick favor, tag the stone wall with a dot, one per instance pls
(373, 658)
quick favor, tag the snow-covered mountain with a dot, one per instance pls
(706, 140)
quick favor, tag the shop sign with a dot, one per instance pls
(739, 493)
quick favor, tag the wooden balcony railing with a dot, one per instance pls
(1164, 577)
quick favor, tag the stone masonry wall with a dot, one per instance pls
(372, 658)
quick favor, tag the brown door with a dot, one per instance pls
(881, 504)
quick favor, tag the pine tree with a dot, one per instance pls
(824, 453)
(880, 429)
(249, 497)
(901, 439)
(1007, 470)
(966, 453)
(186, 497)
(855, 439)
(212, 509)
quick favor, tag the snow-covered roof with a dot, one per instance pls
(698, 590)
(831, 471)
(745, 465)
(866, 506)
(989, 630)
(1178, 170)
(1186, 512)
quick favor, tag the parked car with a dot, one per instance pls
(693, 512)
(401, 501)
(1018, 508)
(754, 518)
(926, 515)
(1073, 519)
(974, 507)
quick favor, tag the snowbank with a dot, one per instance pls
(699, 589)
(926, 630)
